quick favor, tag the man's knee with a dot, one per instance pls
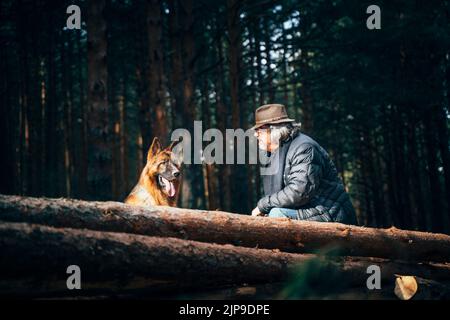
(276, 213)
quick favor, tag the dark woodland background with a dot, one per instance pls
(79, 107)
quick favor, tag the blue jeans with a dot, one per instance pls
(283, 213)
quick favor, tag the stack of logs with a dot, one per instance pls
(156, 250)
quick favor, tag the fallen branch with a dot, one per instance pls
(221, 227)
(34, 259)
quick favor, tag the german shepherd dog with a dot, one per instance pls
(159, 182)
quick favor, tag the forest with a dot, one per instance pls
(79, 108)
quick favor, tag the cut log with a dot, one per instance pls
(34, 260)
(221, 227)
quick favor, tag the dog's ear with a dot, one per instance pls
(177, 151)
(173, 144)
(155, 148)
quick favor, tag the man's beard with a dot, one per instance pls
(262, 145)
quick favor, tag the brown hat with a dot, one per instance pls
(270, 114)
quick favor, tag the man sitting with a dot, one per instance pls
(305, 184)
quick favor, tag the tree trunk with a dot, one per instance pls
(286, 73)
(391, 187)
(65, 121)
(414, 166)
(7, 123)
(124, 173)
(191, 189)
(234, 49)
(443, 137)
(403, 211)
(256, 31)
(156, 72)
(433, 174)
(268, 47)
(83, 168)
(144, 137)
(238, 177)
(189, 55)
(222, 114)
(34, 102)
(222, 227)
(100, 164)
(209, 171)
(176, 72)
(306, 97)
(116, 262)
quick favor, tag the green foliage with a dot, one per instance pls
(315, 278)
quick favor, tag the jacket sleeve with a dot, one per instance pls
(303, 180)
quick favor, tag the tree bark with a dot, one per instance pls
(256, 26)
(176, 70)
(188, 61)
(222, 115)
(433, 173)
(100, 166)
(238, 177)
(234, 49)
(144, 137)
(209, 171)
(118, 262)
(191, 189)
(156, 72)
(222, 227)
(268, 46)
(83, 168)
(443, 139)
(306, 97)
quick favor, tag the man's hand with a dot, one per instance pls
(256, 212)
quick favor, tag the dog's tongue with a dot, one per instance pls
(169, 188)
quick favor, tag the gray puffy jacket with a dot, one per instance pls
(307, 180)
